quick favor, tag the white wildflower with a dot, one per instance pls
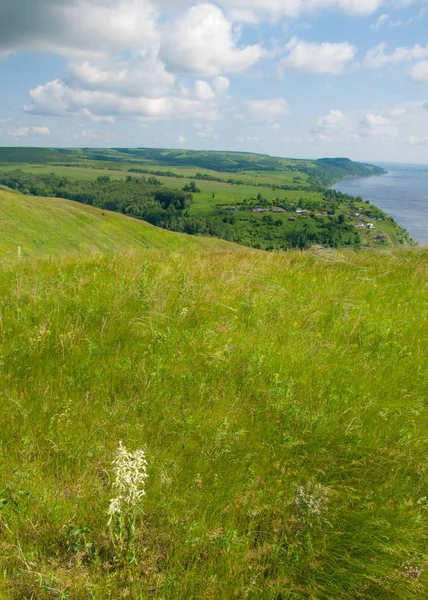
(130, 470)
(411, 571)
(114, 509)
(311, 501)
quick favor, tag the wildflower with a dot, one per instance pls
(411, 571)
(130, 470)
(311, 501)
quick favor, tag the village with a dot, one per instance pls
(357, 218)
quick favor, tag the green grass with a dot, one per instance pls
(53, 226)
(245, 375)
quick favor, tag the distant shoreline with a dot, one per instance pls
(401, 194)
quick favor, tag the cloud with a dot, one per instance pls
(259, 9)
(377, 125)
(419, 72)
(29, 131)
(96, 119)
(332, 121)
(201, 42)
(334, 126)
(418, 140)
(382, 20)
(76, 27)
(212, 93)
(146, 77)
(90, 136)
(425, 106)
(83, 28)
(56, 98)
(379, 56)
(49, 99)
(326, 57)
(4, 54)
(387, 20)
(397, 112)
(204, 91)
(268, 110)
(181, 139)
(205, 131)
(221, 85)
(342, 128)
(248, 138)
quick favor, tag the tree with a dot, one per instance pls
(191, 187)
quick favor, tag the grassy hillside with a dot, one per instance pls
(53, 226)
(281, 400)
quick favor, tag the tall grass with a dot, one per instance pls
(282, 402)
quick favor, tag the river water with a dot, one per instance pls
(402, 194)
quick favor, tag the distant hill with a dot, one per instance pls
(322, 172)
(53, 226)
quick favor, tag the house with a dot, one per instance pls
(370, 225)
(291, 218)
(278, 209)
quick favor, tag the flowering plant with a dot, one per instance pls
(130, 470)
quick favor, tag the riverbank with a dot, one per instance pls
(402, 193)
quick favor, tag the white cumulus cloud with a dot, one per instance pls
(378, 125)
(331, 120)
(141, 77)
(202, 42)
(57, 98)
(419, 72)
(380, 56)
(311, 57)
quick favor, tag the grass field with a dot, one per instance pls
(53, 226)
(281, 400)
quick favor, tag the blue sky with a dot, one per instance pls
(300, 78)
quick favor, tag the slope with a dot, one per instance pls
(281, 400)
(53, 226)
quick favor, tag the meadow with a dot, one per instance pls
(280, 399)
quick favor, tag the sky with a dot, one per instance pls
(297, 78)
